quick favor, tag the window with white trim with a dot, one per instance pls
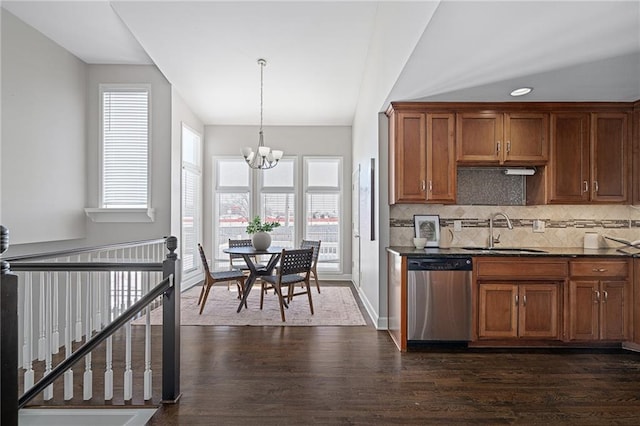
(323, 209)
(308, 207)
(125, 119)
(277, 191)
(191, 201)
(231, 203)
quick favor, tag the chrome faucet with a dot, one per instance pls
(495, 240)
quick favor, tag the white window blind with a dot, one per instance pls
(125, 148)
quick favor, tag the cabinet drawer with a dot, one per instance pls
(520, 268)
(599, 268)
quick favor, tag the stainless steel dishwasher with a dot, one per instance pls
(439, 299)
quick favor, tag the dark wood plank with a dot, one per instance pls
(355, 375)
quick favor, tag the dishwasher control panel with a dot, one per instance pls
(440, 264)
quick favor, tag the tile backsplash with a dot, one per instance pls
(565, 225)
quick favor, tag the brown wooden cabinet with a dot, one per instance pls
(519, 298)
(521, 310)
(517, 138)
(422, 160)
(599, 300)
(590, 158)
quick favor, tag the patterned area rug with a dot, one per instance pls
(334, 306)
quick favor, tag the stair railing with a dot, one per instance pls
(98, 327)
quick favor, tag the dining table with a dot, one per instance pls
(249, 254)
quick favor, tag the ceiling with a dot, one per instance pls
(320, 53)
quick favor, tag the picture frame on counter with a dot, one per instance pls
(427, 226)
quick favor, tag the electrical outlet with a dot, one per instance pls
(538, 225)
(457, 225)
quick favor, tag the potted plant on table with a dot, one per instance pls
(261, 238)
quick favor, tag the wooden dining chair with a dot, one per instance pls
(236, 261)
(211, 278)
(295, 267)
(316, 253)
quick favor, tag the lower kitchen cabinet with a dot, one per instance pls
(600, 300)
(598, 310)
(524, 310)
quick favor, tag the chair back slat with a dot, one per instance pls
(238, 243)
(316, 248)
(205, 264)
(296, 261)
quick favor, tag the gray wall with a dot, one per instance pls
(43, 137)
(160, 166)
(50, 144)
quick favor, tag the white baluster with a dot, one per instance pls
(68, 345)
(88, 374)
(55, 334)
(148, 387)
(48, 391)
(108, 372)
(78, 307)
(41, 340)
(128, 373)
(27, 348)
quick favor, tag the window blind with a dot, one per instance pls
(125, 148)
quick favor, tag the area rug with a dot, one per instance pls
(335, 306)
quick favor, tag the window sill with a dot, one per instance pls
(121, 215)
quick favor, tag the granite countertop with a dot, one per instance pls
(410, 251)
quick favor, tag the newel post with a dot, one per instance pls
(171, 326)
(8, 338)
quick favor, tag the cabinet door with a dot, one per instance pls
(610, 157)
(441, 166)
(614, 310)
(478, 137)
(410, 159)
(583, 310)
(569, 160)
(498, 311)
(526, 138)
(538, 311)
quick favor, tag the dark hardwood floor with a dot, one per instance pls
(355, 375)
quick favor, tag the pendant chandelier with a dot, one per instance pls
(263, 158)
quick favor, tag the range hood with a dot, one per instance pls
(519, 171)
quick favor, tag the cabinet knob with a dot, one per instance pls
(498, 147)
(524, 300)
(606, 295)
(508, 147)
(430, 186)
(597, 297)
(598, 270)
(595, 186)
(422, 185)
(516, 300)
(585, 186)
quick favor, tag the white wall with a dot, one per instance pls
(294, 140)
(43, 137)
(160, 166)
(50, 107)
(395, 21)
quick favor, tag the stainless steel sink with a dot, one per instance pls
(497, 250)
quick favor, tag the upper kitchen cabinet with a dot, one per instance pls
(590, 157)
(421, 160)
(491, 138)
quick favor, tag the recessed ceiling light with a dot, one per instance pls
(521, 91)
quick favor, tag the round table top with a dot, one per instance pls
(252, 250)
